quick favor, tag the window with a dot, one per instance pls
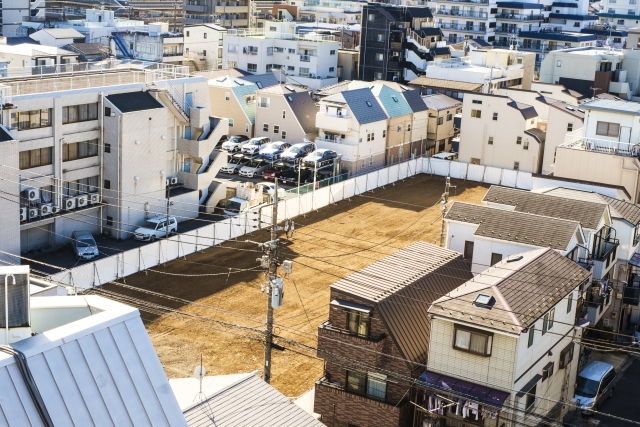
(332, 69)
(525, 146)
(34, 119)
(362, 164)
(531, 399)
(378, 76)
(440, 120)
(372, 18)
(608, 129)
(495, 116)
(246, 127)
(379, 57)
(265, 127)
(292, 51)
(205, 35)
(490, 142)
(269, 51)
(290, 68)
(547, 371)
(532, 332)
(569, 127)
(569, 302)
(409, 127)
(107, 148)
(227, 96)
(107, 184)
(276, 129)
(476, 101)
(109, 220)
(519, 140)
(566, 356)
(449, 117)
(284, 135)
(187, 33)
(552, 314)
(284, 114)
(230, 123)
(473, 341)
(304, 71)
(107, 111)
(264, 102)
(252, 67)
(332, 52)
(468, 251)
(495, 258)
(377, 385)
(559, 64)
(79, 113)
(35, 158)
(380, 37)
(545, 323)
(516, 166)
(476, 113)
(232, 64)
(358, 321)
(370, 160)
(79, 150)
(356, 382)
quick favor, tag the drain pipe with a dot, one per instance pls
(101, 148)
(6, 304)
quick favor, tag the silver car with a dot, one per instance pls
(84, 245)
(594, 385)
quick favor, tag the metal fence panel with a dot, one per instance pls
(205, 236)
(383, 177)
(393, 173)
(170, 249)
(292, 207)
(84, 276)
(525, 180)
(372, 181)
(509, 178)
(361, 184)
(253, 218)
(349, 188)
(336, 192)
(106, 269)
(439, 167)
(458, 170)
(131, 261)
(475, 172)
(223, 230)
(321, 198)
(187, 243)
(492, 175)
(150, 255)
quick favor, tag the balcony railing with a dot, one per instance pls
(260, 32)
(502, 30)
(462, 27)
(518, 17)
(469, 1)
(305, 58)
(463, 13)
(575, 140)
(395, 45)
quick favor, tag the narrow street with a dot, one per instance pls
(624, 402)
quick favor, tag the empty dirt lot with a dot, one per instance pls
(355, 233)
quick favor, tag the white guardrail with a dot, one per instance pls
(133, 261)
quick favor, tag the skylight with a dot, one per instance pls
(483, 300)
(290, 99)
(369, 104)
(239, 83)
(259, 85)
(290, 88)
(404, 87)
(570, 108)
(395, 99)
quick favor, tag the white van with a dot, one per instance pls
(446, 156)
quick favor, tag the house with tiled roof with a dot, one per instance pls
(440, 128)
(235, 99)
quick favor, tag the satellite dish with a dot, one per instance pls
(199, 372)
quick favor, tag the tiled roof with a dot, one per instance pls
(134, 101)
(364, 105)
(440, 102)
(525, 287)
(304, 109)
(415, 100)
(420, 272)
(429, 31)
(440, 51)
(564, 4)
(538, 134)
(527, 111)
(262, 80)
(588, 214)
(517, 227)
(446, 84)
(249, 108)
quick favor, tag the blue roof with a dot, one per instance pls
(620, 33)
(573, 17)
(415, 101)
(364, 105)
(393, 102)
(563, 37)
(264, 80)
(249, 108)
(519, 5)
(618, 15)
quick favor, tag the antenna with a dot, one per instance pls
(199, 374)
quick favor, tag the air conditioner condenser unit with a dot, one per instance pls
(33, 213)
(31, 194)
(174, 180)
(82, 200)
(69, 203)
(45, 209)
(55, 209)
(23, 214)
(94, 198)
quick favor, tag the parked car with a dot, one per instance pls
(594, 385)
(235, 143)
(274, 170)
(274, 150)
(292, 175)
(255, 167)
(319, 158)
(236, 162)
(156, 228)
(254, 145)
(296, 152)
(84, 245)
(270, 189)
(446, 156)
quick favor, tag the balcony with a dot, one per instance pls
(518, 17)
(465, 28)
(461, 13)
(332, 122)
(598, 300)
(575, 140)
(503, 30)
(194, 8)
(581, 257)
(604, 251)
(305, 58)
(395, 45)
(203, 146)
(467, 1)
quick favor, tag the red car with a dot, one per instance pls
(274, 171)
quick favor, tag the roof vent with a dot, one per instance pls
(570, 108)
(514, 259)
(369, 104)
(290, 88)
(485, 301)
(290, 99)
(395, 99)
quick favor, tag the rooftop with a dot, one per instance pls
(134, 101)
(311, 37)
(557, 36)
(363, 105)
(446, 84)
(617, 105)
(440, 102)
(63, 33)
(619, 208)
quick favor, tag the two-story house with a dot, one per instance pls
(235, 99)
(498, 131)
(203, 46)
(353, 123)
(502, 345)
(441, 130)
(287, 113)
(378, 333)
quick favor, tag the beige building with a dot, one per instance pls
(287, 113)
(440, 130)
(234, 99)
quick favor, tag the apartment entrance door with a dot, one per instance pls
(625, 134)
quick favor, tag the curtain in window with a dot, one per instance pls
(73, 188)
(71, 151)
(83, 112)
(65, 115)
(73, 114)
(478, 343)
(46, 156)
(462, 339)
(92, 149)
(34, 119)
(377, 385)
(83, 149)
(35, 158)
(92, 182)
(93, 111)
(25, 160)
(353, 322)
(45, 117)
(356, 382)
(363, 326)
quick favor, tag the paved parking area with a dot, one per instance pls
(624, 402)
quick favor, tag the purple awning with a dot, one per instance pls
(464, 389)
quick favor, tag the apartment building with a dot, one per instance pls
(500, 132)
(156, 44)
(441, 131)
(604, 150)
(505, 350)
(98, 153)
(14, 12)
(306, 59)
(228, 14)
(96, 27)
(29, 59)
(619, 15)
(203, 46)
(287, 113)
(360, 386)
(353, 123)
(339, 12)
(57, 37)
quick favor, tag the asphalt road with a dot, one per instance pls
(624, 402)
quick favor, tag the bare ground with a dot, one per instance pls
(356, 233)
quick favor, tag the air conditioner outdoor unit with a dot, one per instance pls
(33, 213)
(94, 198)
(82, 200)
(45, 209)
(174, 180)
(23, 214)
(55, 209)
(31, 194)
(69, 203)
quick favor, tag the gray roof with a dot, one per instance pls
(248, 402)
(440, 102)
(335, 88)
(304, 109)
(63, 33)
(588, 214)
(88, 48)
(524, 290)
(517, 227)
(564, 107)
(262, 80)
(134, 101)
(527, 111)
(415, 101)
(364, 105)
(538, 134)
(617, 105)
(420, 272)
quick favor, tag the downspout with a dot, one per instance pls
(119, 204)
(101, 148)
(175, 146)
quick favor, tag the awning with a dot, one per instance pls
(465, 389)
(635, 260)
(533, 381)
(351, 305)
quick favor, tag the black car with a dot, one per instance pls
(291, 176)
(320, 158)
(296, 152)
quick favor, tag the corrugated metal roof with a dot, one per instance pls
(364, 105)
(518, 227)
(249, 402)
(64, 33)
(402, 286)
(588, 214)
(99, 370)
(524, 290)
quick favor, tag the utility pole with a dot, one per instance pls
(166, 224)
(443, 206)
(272, 252)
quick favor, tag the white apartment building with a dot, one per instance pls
(619, 14)
(98, 152)
(306, 59)
(203, 46)
(154, 43)
(329, 12)
(14, 12)
(32, 59)
(492, 68)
